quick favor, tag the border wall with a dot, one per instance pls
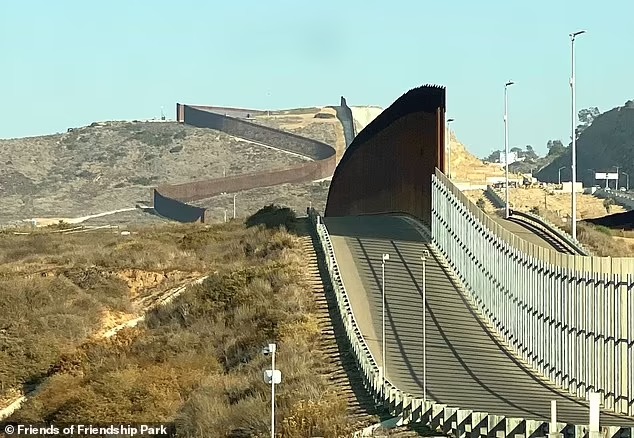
(344, 114)
(170, 199)
(386, 168)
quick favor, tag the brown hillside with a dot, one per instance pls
(467, 168)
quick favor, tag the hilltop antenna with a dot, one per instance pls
(162, 114)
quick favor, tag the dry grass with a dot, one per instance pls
(56, 289)
(588, 206)
(197, 361)
(104, 168)
(602, 241)
(319, 124)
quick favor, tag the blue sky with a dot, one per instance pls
(68, 63)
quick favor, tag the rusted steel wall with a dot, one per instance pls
(206, 189)
(388, 166)
(177, 210)
(260, 134)
(169, 200)
(344, 114)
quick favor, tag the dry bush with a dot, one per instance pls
(273, 216)
(601, 242)
(598, 239)
(321, 417)
(198, 360)
(40, 318)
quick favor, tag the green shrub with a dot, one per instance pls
(273, 216)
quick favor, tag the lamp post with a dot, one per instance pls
(424, 259)
(448, 148)
(574, 134)
(273, 377)
(616, 187)
(506, 146)
(627, 181)
(559, 171)
(384, 258)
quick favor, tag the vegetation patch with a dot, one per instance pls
(197, 361)
(598, 239)
(273, 216)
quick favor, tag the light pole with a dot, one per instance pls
(424, 259)
(273, 377)
(234, 206)
(627, 181)
(559, 171)
(506, 145)
(574, 135)
(384, 258)
(448, 148)
(616, 187)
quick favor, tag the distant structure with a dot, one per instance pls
(513, 158)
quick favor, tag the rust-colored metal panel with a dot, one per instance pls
(388, 167)
(169, 200)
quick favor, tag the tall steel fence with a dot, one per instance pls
(449, 419)
(570, 317)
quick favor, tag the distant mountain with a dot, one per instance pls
(608, 142)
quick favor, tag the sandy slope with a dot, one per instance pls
(363, 116)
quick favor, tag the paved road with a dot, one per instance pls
(524, 233)
(467, 368)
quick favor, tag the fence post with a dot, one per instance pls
(595, 406)
(552, 429)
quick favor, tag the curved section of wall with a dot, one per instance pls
(388, 166)
(344, 114)
(170, 200)
(177, 210)
(286, 141)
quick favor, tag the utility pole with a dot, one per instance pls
(273, 377)
(424, 260)
(448, 147)
(574, 135)
(384, 258)
(617, 178)
(506, 146)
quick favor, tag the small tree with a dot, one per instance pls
(608, 203)
(481, 203)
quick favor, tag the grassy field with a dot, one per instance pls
(196, 360)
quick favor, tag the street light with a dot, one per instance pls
(574, 134)
(424, 259)
(448, 148)
(627, 181)
(273, 377)
(506, 145)
(384, 258)
(559, 171)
